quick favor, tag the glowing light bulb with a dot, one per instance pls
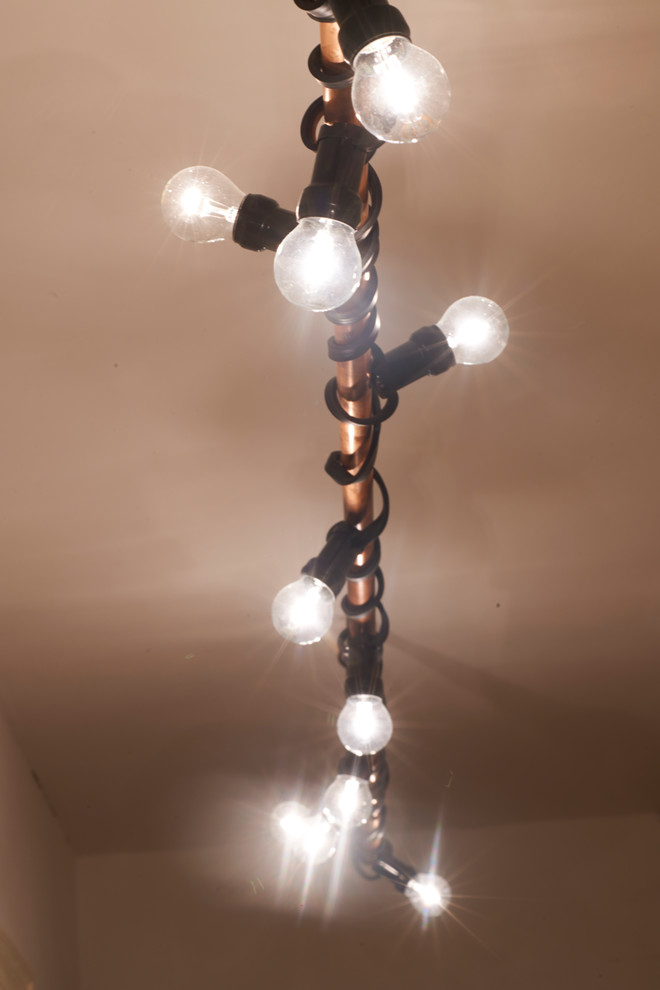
(400, 92)
(289, 821)
(347, 801)
(364, 725)
(312, 838)
(476, 329)
(428, 894)
(201, 204)
(318, 841)
(318, 265)
(303, 611)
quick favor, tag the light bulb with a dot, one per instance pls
(347, 801)
(318, 265)
(364, 725)
(303, 611)
(428, 894)
(400, 92)
(312, 838)
(201, 204)
(476, 329)
(317, 841)
(289, 821)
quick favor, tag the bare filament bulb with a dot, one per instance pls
(400, 92)
(303, 611)
(312, 838)
(364, 725)
(476, 329)
(429, 894)
(201, 204)
(289, 820)
(347, 801)
(318, 265)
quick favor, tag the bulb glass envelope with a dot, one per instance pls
(201, 204)
(318, 265)
(364, 725)
(312, 838)
(429, 894)
(476, 329)
(288, 820)
(400, 92)
(303, 610)
(347, 801)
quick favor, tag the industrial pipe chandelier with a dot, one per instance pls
(377, 87)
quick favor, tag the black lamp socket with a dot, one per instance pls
(319, 10)
(262, 224)
(336, 558)
(334, 192)
(355, 766)
(426, 353)
(398, 873)
(363, 21)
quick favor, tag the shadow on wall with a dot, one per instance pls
(520, 757)
(558, 905)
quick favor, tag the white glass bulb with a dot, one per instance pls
(364, 725)
(428, 894)
(400, 92)
(303, 611)
(318, 265)
(347, 801)
(289, 821)
(312, 838)
(476, 329)
(317, 841)
(201, 204)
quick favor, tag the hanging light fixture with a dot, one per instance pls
(377, 87)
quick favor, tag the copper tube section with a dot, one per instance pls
(354, 392)
(353, 387)
(337, 106)
(331, 53)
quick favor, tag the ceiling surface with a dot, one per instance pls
(164, 431)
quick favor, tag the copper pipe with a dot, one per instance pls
(354, 392)
(331, 53)
(353, 387)
(337, 105)
(373, 835)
